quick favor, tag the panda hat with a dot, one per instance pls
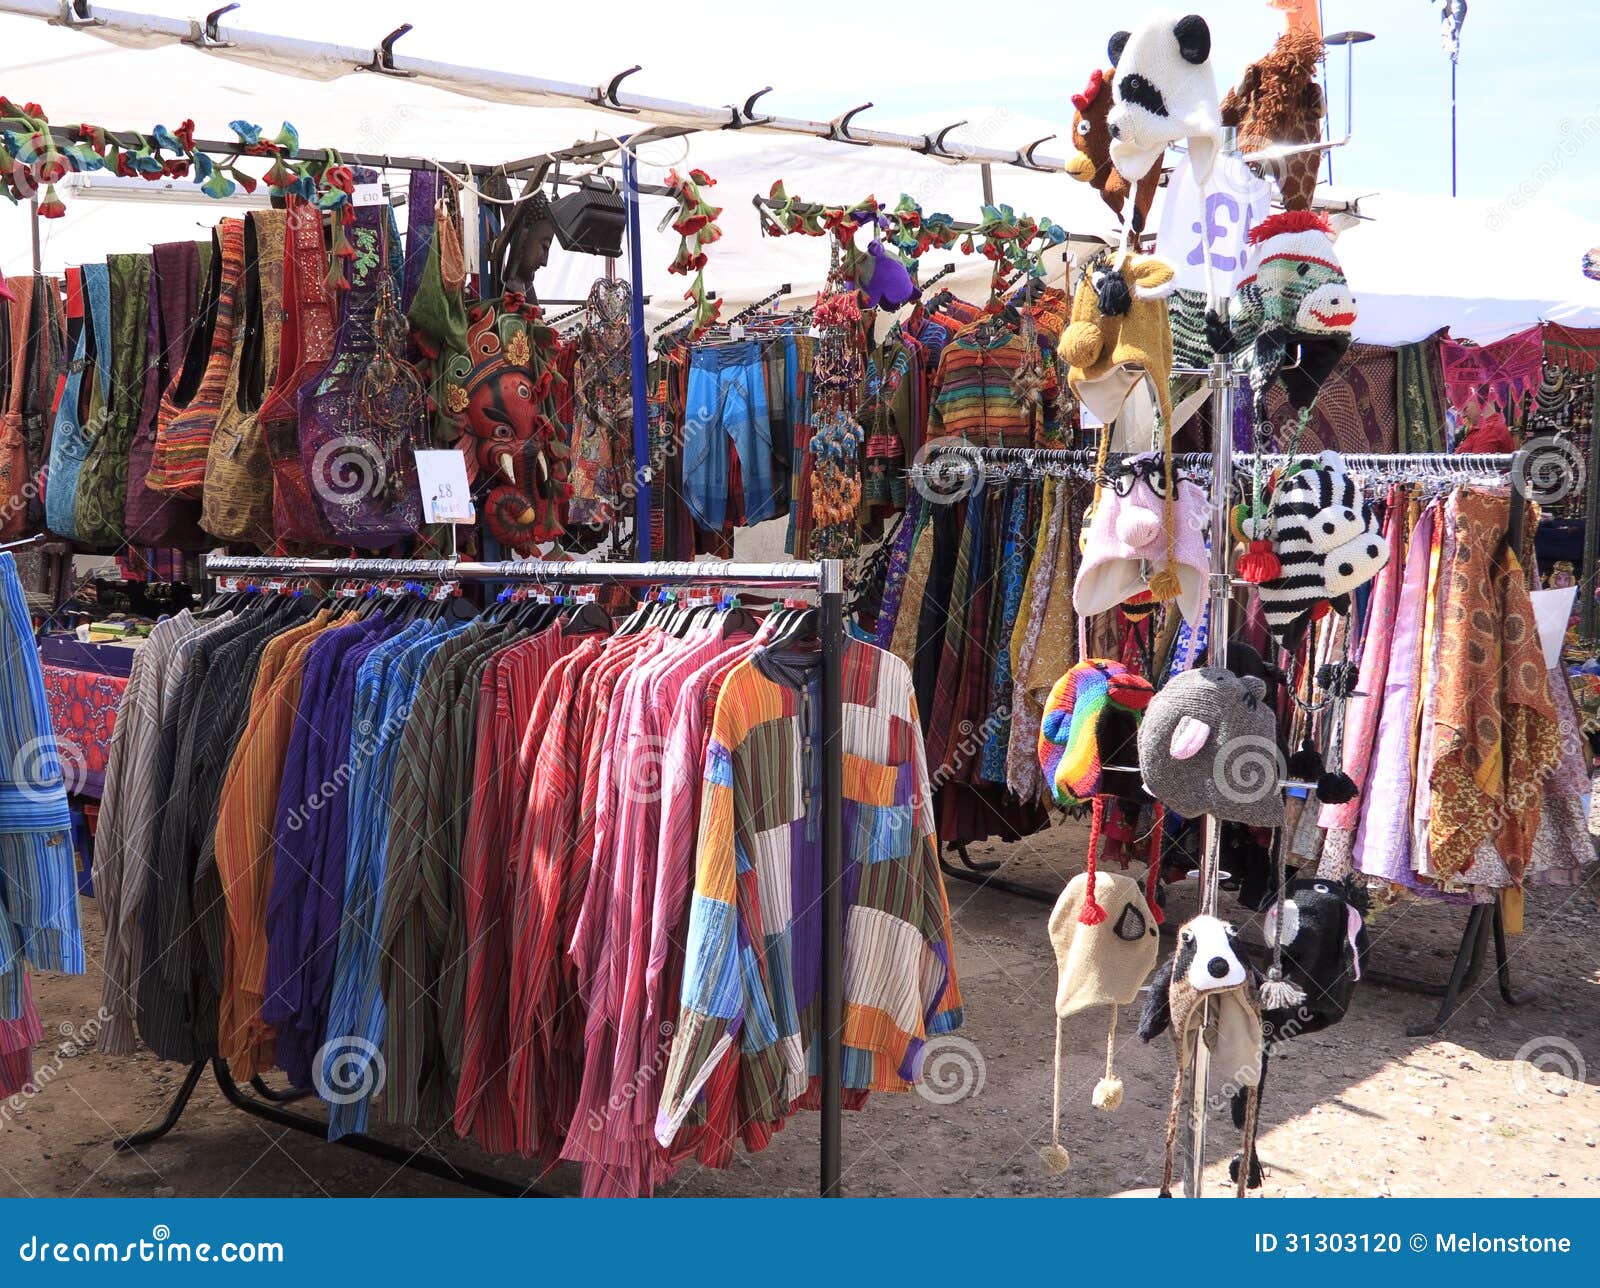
(1164, 92)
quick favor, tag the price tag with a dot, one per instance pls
(736, 331)
(442, 480)
(367, 194)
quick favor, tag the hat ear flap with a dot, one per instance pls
(1352, 928)
(1157, 1016)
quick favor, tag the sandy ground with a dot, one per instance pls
(1360, 1109)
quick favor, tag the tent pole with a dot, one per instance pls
(637, 341)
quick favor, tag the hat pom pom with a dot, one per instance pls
(1278, 994)
(1107, 1094)
(1165, 584)
(1306, 764)
(1091, 914)
(1336, 789)
(1055, 1158)
(1259, 564)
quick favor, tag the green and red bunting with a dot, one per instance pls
(1013, 242)
(694, 220)
(32, 162)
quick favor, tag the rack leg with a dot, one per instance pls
(1502, 963)
(832, 1064)
(285, 1097)
(1469, 958)
(180, 1102)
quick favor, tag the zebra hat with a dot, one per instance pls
(1327, 541)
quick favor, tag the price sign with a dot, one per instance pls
(442, 480)
(367, 194)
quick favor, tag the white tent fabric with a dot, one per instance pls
(1483, 269)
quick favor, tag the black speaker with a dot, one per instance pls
(590, 220)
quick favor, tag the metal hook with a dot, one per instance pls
(933, 144)
(1025, 157)
(746, 116)
(78, 13)
(205, 35)
(607, 96)
(839, 127)
(383, 55)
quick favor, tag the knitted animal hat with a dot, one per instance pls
(1278, 101)
(1099, 963)
(1297, 299)
(1091, 161)
(1208, 966)
(1119, 334)
(1088, 744)
(1125, 538)
(1088, 739)
(1164, 93)
(1208, 745)
(1326, 542)
(1318, 935)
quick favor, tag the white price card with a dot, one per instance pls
(367, 194)
(446, 495)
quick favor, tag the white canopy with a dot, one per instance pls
(1483, 269)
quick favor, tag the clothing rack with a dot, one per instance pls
(1485, 921)
(827, 579)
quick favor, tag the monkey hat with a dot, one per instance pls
(1099, 963)
(1208, 744)
(1164, 92)
(1208, 966)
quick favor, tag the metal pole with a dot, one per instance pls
(1591, 530)
(833, 645)
(986, 172)
(1452, 125)
(639, 382)
(38, 253)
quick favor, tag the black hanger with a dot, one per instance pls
(587, 617)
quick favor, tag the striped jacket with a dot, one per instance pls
(753, 974)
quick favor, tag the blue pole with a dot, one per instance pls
(641, 403)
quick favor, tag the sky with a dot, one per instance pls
(1529, 98)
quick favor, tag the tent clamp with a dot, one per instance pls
(839, 127)
(383, 56)
(78, 14)
(606, 95)
(207, 34)
(744, 117)
(1025, 157)
(933, 145)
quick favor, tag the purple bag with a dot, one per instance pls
(363, 417)
(158, 518)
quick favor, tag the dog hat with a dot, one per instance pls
(1125, 538)
(1164, 93)
(1326, 541)
(1209, 966)
(1099, 963)
(1208, 745)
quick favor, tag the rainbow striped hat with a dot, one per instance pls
(1091, 713)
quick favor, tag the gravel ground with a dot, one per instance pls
(1358, 1110)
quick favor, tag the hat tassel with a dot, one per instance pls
(1092, 913)
(1108, 1091)
(1054, 1156)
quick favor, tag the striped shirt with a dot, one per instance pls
(754, 961)
(38, 875)
(127, 826)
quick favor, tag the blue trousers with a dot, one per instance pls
(727, 402)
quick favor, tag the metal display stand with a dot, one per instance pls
(827, 579)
